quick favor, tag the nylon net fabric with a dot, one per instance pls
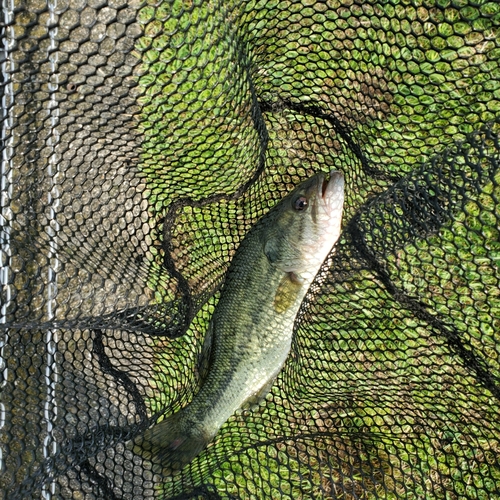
(140, 142)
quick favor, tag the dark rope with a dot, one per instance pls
(478, 365)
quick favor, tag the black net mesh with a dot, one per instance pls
(140, 142)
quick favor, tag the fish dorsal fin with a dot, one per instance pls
(203, 363)
(287, 292)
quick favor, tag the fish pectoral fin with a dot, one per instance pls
(286, 293)
(255, 399)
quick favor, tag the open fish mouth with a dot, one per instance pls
(324, 186)
(332, 186)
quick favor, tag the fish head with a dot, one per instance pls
(305, 225)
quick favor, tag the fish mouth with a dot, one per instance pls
(333, 185)
(324, 186)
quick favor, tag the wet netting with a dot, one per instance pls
(142, 139)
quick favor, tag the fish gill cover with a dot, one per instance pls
(141, 140)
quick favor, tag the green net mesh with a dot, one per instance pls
(141, 140)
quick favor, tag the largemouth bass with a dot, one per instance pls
(252, 325)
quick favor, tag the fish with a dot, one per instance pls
(250, 332)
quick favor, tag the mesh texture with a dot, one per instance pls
(140, 142)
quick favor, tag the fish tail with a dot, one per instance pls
(171, 444)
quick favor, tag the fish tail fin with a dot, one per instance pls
(171, 444)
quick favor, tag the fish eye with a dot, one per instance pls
(300, 203)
